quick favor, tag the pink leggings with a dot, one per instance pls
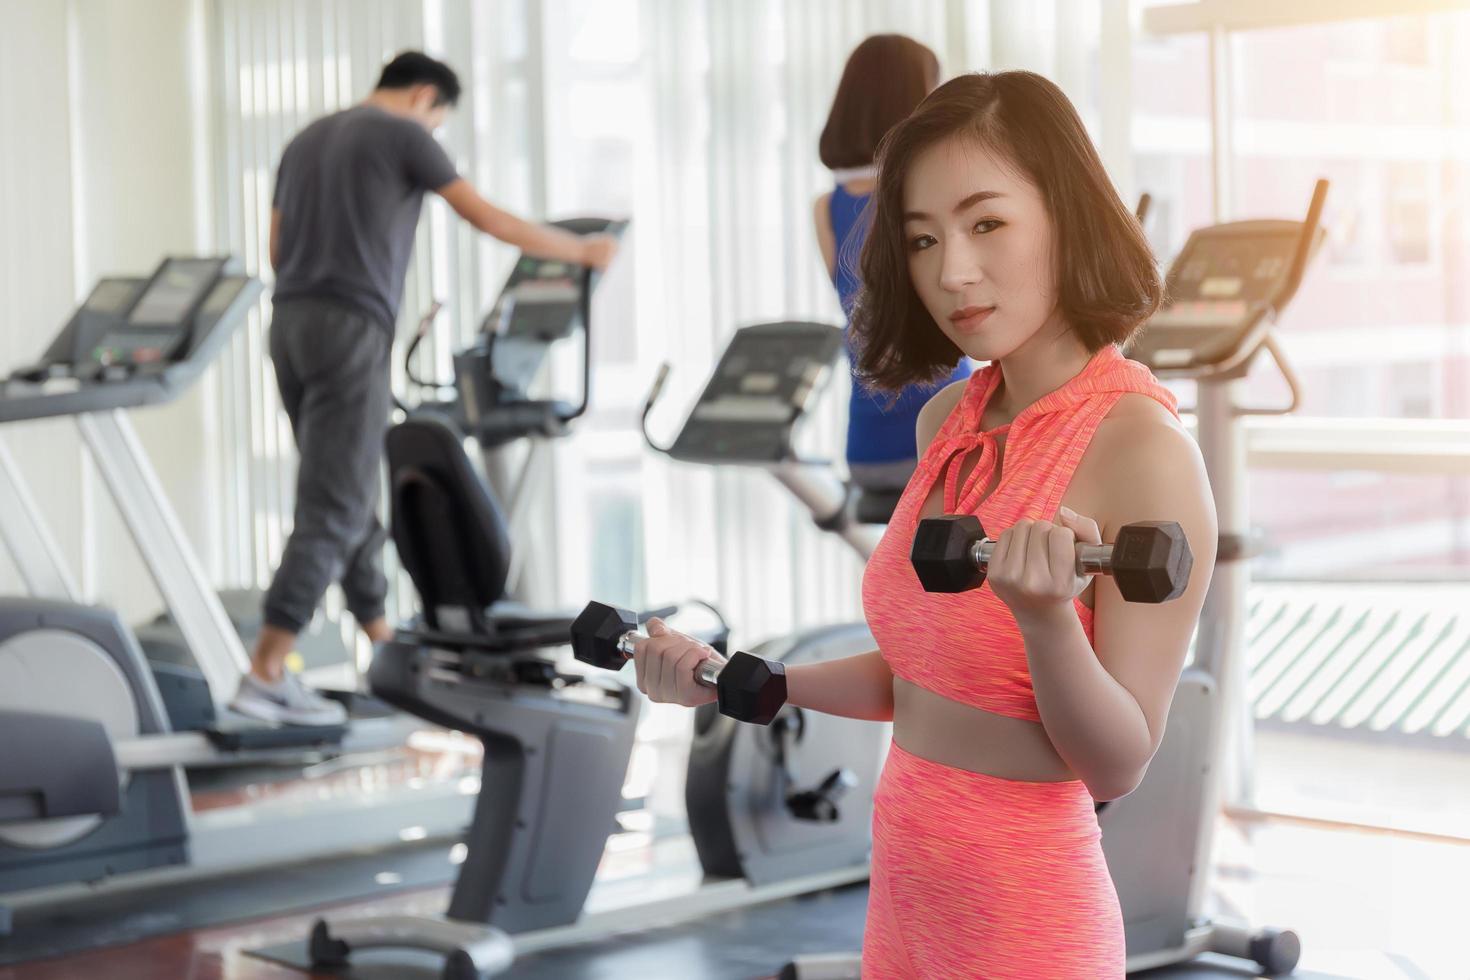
(978, 876)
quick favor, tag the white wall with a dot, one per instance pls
(135, 184)
(97, 177)
(37, 287)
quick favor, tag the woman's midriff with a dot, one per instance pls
(933, 727)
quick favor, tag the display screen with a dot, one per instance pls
(1246, 267)
(111, 296)
(174, 291)
(222, 295)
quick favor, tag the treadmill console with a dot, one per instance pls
(540, 299)
(1223, 283)
(764, 382)
(157, 325)
(104, 306)
(544, 301)
(134, 342)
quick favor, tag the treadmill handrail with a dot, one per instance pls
(584, 301)
(655, 392)
(614, 227)
(1288, 373)
(1306, 243)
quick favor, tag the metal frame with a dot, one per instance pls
(700, 900)
(826, 497)
(195, 750)
(155, 530)
(160, 539)
(25, 534)
(519, 484)
(1247, 15)
(1405, 446)
(285, 832)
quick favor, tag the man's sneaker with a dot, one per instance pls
(286, 701)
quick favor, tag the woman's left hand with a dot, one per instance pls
(1033, 568)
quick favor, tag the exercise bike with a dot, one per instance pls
(558, 740)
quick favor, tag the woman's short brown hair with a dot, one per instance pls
(1108, 280)
(886, 76)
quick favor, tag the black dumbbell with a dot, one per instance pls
(1150, 561)
(747, 687)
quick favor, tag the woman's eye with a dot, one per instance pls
(920, 242)
(986, 227)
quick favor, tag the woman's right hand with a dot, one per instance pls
(666, 663)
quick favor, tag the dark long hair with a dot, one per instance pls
(885, 77)
(1108, 280)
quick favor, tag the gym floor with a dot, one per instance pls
(1348, 893)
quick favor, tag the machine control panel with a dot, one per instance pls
(543, 302)
(157, 325)
(133, 341)
(764, 382)
(1222, 283)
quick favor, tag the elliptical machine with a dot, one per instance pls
(496, 395)
(1226, 290)
(781, 778)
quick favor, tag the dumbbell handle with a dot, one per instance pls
(708, 673)
(1092, 559)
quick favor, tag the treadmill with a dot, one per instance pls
(92, 785)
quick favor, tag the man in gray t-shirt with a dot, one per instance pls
(346, 205)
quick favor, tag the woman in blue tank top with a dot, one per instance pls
(886, 76)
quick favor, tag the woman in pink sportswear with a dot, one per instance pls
(998, 235)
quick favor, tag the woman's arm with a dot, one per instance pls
(826, 240)
(862, 686)
(1104, 709)
(853, 687)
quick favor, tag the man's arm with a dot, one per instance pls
(543, 241)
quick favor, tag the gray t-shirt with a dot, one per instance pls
(349, 189)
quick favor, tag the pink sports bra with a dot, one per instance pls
(966, 646)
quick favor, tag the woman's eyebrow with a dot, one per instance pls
(967, 203)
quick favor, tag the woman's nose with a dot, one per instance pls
(960, 268)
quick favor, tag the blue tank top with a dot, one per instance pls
(877, 432)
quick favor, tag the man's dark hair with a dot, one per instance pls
(416, 68)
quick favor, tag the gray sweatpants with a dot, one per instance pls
(331, 366)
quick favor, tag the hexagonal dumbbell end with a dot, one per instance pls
(941, 554)
(595, 635)
(751, 689)
(1151, 561)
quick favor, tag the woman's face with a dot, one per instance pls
(979, 244)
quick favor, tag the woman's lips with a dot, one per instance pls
(970, 318)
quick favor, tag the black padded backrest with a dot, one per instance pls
(450, 532)
(874, 506)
